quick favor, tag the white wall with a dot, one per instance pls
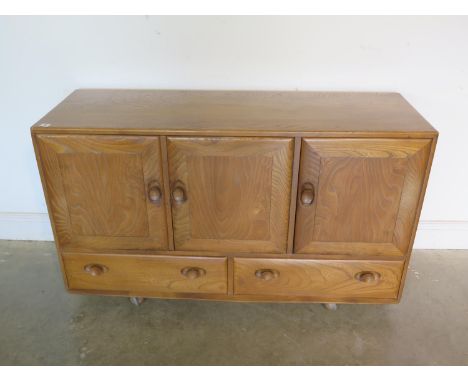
(42, 59)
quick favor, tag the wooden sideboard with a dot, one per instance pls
(235, 195)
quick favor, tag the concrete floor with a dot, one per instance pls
(41, 324)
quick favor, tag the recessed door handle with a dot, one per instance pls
(307, 194)
(179, 194)
(368, 277)
(95, 269)
(154, 193)
(266, 274)
(193, 273)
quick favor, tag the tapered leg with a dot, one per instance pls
(137, 301)
(330, 306)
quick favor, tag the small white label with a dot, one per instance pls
(44, 125)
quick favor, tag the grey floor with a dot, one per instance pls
(40, 324)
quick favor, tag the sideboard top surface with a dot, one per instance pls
(205, 112)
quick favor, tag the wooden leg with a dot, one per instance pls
(330, 306)
(137, 301)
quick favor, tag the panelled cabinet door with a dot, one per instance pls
(359, 196)
(230, 194)
(105, 192)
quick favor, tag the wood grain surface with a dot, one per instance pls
(98, 191)
(171, 112)
(135, 275)
(365, 194)
(327, 279)
(237, 193)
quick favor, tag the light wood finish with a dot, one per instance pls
(292, 206)
(95, 269)
(244, 113)
(58, 248)
(237, 196)
(416, 217)
(139, 275)
(241, 298)
(98, 191)
(359, 194)
(327, 279)
(167, 191)
(230, 277)
(230, 194)
(371, 253)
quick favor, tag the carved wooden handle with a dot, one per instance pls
(193, 273)
(307, 194)
(178, 193)
(154, 192)
(368, 277)
(95, 269)
(266, 274)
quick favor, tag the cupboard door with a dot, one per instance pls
(230, 194)
(359, 196)
(105, 192)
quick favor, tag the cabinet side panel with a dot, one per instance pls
(418, 213)
(37, 151)
(55, 191)
(411, 194)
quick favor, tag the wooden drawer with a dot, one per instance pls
(146, 275)
(333, 279)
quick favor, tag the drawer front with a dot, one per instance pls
(146, 275)
(317, 278)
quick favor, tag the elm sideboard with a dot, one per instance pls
(235, 195)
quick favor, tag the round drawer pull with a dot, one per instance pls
(95, 269)
(266, 274)
(193, 273)
(368, 277)
(154, 193)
